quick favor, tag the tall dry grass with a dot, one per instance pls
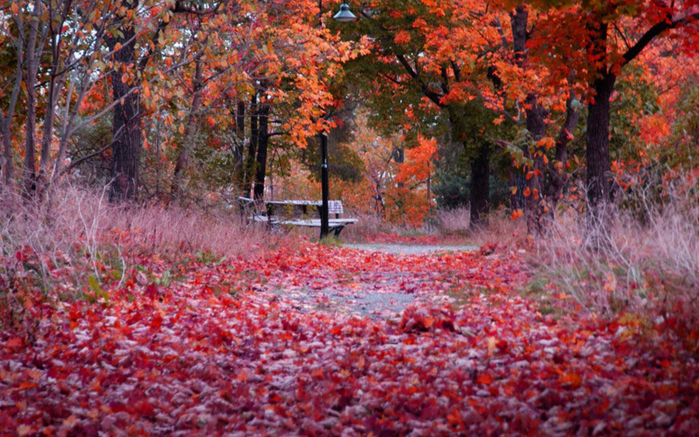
(453, 221)
(61, 247)
(642, 260)
(368, 228)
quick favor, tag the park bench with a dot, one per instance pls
(302, 213)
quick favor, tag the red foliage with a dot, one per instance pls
(238, 347)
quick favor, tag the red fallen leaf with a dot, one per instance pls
(488, 249)
(492, 344)
(454, 417)
(156, 321)
(70, 421)
(485, 378)
(152, 291)
(95, 385)
(26, 385)
(572, 378)
(14, 342)
(361, 361)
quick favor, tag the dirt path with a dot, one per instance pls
(372, 289)
(403, 249)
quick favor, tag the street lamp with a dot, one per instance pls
(343, 16)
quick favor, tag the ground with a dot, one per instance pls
(322, 340)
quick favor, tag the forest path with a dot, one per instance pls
(229, 347)
(364, 286)
(407, 249)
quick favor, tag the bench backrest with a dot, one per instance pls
(335, 207)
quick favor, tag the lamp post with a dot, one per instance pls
(344, 15)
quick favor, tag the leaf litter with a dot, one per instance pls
(277, 346)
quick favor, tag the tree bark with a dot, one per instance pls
(252, 146)
(190, 130)
(6, 120)
(535, 206)
(32, 65)
(597, 153)
(239, 149)
(126, 128)
(480, 185)
(262, 145)
(559, 176)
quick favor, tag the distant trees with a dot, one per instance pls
(211, 90)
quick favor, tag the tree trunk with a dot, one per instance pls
(535, 205)
(55, 86)
(126, 127)
(480, 185)
(252, 147)
(519, 181)
(536, 126)
(6, 120)
(597, 153)
(190, 130)
(559, 176)
(32, 66)
(239, 149)
(263, 143)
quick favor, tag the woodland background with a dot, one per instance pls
(427, 104)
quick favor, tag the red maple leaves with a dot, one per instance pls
(466, 355)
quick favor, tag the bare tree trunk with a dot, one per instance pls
(559, 176)
(535, 204)
(33, 54)
(239, 149)
(6, 120)
(184, 156)
(480, 185)
(597, 152)
(536, 126)
(252, 147)
(262, 145)
(56, 80)
(598, 161)
(126, 128)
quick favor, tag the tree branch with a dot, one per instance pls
(654, 31)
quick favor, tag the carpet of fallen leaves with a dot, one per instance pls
(274, 346)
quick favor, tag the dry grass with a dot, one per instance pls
(368, 228)
(61, 247)
(453, 221)
(647, 268)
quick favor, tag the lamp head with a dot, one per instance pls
(344, 15)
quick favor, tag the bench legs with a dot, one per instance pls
(337, 229)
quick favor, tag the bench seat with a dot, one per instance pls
(334, 225)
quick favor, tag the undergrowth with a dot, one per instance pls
(74, 242)
(642, 268)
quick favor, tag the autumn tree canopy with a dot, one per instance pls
(176, 98)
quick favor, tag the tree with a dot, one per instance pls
(606, 36)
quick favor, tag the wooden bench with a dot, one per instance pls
(304, 213)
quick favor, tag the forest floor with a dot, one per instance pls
(323, 340)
